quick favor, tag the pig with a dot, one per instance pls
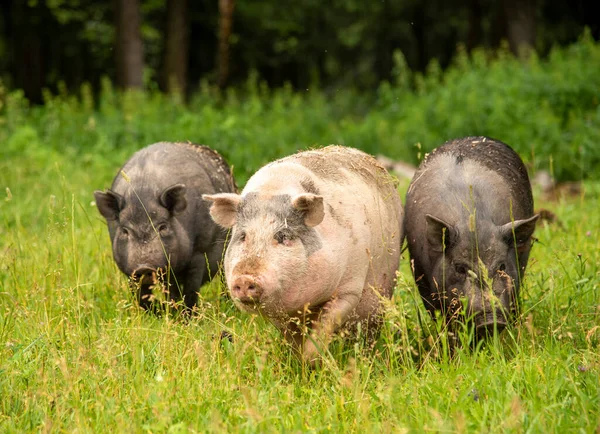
(315, 244)
(469, 222)
(158, 223)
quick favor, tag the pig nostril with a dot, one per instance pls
(246, 290)
(145, 275)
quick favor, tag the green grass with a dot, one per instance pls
(77, 355)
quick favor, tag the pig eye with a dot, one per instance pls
(283, 237)
(124, 231)
(461, 268)
(242, 236)
(162, 228)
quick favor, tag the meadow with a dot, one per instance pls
(78, 355)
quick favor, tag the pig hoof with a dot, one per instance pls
(310, 355)
(225, 335)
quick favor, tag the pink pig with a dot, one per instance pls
(315, 244)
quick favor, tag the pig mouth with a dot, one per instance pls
(488, 323)
(146, 275)
(248, 301)
(145, 279)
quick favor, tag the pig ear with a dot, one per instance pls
(312, 207)
(440, 235)
(173, 198)
(519, 232)
(224, 209)
(109, 204)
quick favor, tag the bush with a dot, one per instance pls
(548, 110)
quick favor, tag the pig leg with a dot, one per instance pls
(183, 287)
(143, 294)
(431, 299)
(192, 282)
(198, 274)
(190, 292)
(334, 313)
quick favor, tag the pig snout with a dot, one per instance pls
(490, 302)
(487, 322)
(246, 289)
(145, 275)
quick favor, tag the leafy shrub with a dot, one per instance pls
(548, 110)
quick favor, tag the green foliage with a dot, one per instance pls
(547, 110)
(76, 354)
(340, 43)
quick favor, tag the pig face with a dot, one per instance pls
(273, 243)
(479, 266)
(147, 237)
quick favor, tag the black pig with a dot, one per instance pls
(158, 222)
(468, 222)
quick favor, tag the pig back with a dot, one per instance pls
(363, 212)
(472, 176)
(492, 156)
(164, 164)
(156, 167)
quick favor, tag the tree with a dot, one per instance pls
(474, 29)
(520, 24)
(128, 44)
(28, 47)
(175, 66)
(226, 8)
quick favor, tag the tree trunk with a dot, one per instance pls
(128, 44)
(226, 8)
(419, 26)
(175, 66)
(520, 24)
(27, 49)
(384, 50)
(475, 18)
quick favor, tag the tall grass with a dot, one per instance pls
(77, 354)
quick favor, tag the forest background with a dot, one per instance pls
(331, 45)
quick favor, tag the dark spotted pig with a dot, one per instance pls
(157, 219)
(469, 222)
(315, 243)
